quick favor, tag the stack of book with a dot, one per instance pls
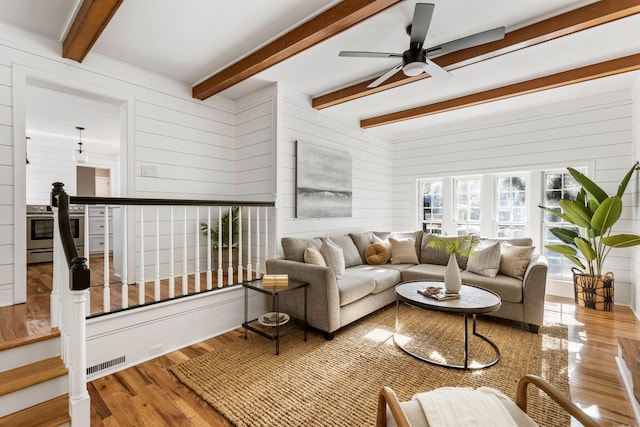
(439, 294)
(275, 280)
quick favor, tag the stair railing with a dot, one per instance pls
(149, 227)
(72, 300)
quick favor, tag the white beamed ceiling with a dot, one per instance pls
(190, 40)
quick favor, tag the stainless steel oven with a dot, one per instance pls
(40, 232)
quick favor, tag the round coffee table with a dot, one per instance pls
(472, 301)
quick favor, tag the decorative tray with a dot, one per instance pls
(269, 319)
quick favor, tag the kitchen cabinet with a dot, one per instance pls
(96, 230)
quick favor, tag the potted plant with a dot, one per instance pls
(223, 233)
(453, 247)
(588, 241)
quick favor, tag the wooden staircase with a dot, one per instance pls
(33, 382)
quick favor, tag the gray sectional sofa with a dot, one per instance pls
(341, 294)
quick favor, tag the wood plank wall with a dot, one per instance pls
(590, 130)
(6, 184)
(192, 143)
(634, 190)
(371, 163)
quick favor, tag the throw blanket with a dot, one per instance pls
(464, 406)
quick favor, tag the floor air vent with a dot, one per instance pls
(105, 365)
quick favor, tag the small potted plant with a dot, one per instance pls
(218, 235)
(453, 247)
(588, 241)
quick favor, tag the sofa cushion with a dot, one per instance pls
(438, 255)
(383, 278)
(415, 235)
(354, 286)
(333, 256)
(515, 259)
(509, 288)
(350, 252)
(424, 272)
(312, 255)
(293, 247)
(403, 251)
(362, 240)
(376, 254)
(431, 255)
(485, 258)
(518, 241)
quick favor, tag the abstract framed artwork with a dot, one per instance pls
(323, 182)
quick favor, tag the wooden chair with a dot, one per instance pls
(405, 415)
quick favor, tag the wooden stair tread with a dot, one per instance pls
(32, 374)
(30, 339)
(52, 413)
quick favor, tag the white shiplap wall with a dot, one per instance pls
(371, 163)
(49, 163)
(191, 143)
(6, 185)
(634, 190)
(594, 130)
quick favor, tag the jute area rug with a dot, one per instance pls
(336, 383)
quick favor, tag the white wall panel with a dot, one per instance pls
(371, 168)
(169, 129)
(594, 130)
(633, 201)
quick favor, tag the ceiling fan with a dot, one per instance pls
(416, 60)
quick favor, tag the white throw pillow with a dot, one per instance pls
(485, 259)
(334, 257)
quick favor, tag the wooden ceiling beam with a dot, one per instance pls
(597, 13)
(333, 21)
(90, 21)
(578, 75)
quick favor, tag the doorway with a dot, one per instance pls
(52, 114)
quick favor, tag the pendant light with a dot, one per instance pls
(80, 155)
(25, 150)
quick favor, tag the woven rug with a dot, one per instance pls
(336, 383)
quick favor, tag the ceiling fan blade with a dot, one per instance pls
(420, 24)
(434, 70)
(358, 54)
(385, 76)
(467, 42)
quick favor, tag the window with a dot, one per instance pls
(511, 209)
(431, 206)
(558, 185)
(468, 206)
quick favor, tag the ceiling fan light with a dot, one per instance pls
(413, 69)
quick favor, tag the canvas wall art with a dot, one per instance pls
(323, 182)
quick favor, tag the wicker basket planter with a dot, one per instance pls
(595, 293)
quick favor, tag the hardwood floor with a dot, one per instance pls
(148, 395)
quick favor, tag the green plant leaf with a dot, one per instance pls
(585, 248)
(581, 197)
(625, 181)
(621, 240)
(578, 214)
(593, 190)
(562, 249)
(607, 214)
(564, 234)
(576, 261)
(556, 213)
(592, 205)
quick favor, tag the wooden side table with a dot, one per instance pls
(278, 329)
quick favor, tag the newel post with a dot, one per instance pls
(79, 400)
(79, 282)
